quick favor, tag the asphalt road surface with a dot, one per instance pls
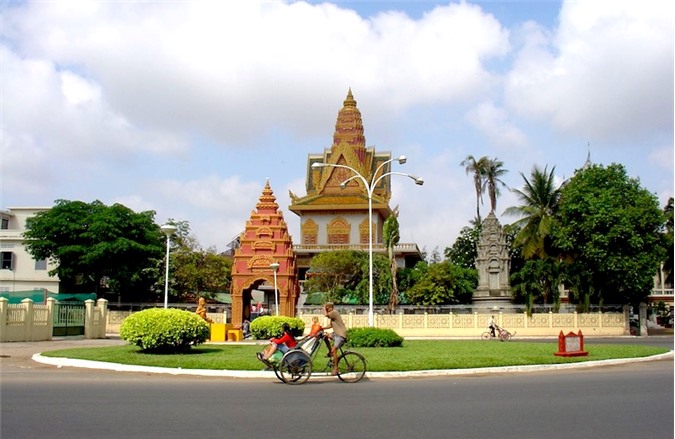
(627, 401)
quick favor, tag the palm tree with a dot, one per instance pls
(539, 198)
(493, 169)
(476, 167)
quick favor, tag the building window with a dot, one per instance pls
(338, 231)
(364, 232)
(310, 231)
(4, 225)
(6, 260)
(41, 265)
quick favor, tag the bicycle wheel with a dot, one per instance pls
(485, 335)
(351, 367)
(504, 336)
(295, 367)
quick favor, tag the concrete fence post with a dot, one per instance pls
(28, 319)
(3, 318)
(102, 308)
(51, 304)
(89, 329)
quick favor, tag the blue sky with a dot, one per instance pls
(185, 108)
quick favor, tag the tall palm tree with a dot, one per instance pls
(476, 167)
(539, 198)
(493, 169)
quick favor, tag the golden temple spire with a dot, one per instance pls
(349, 127)
(267, 198)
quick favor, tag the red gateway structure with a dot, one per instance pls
(264, 242)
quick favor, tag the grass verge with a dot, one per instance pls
(413, 355)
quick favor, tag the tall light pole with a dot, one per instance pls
(168, 230)
(275, 266)
(370, 188)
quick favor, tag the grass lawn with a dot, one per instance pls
(414, 355)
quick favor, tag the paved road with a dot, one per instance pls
(37, 401)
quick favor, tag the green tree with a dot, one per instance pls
(609, 230)
(196, 271)
(89, 242)
(537, 282)
(442, 283)
(477, 169)
(492, 170)
(391, 238)
(465, 249)
(539, 201)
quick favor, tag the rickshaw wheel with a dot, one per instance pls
(295, 367)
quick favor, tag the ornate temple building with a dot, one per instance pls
(264, 243)
(493, 264)
(334, 213)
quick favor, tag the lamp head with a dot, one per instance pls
(274, 266)
(343, 185)
(402, 159)
(168, 229)
(316, 165)
(418, 181)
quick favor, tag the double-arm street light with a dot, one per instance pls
(275, 266)
(168, 230)
(370, 188)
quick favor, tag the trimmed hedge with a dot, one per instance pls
(266, 327)
(373, 338)
(159, 330)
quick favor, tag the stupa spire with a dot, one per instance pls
(349, 127)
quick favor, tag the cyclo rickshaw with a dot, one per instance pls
(296, 365)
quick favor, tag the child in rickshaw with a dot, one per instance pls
(282, 344)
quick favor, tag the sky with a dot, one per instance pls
(187, 107)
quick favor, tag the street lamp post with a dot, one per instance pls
(370, 188)
(168, 230)
(275, 266)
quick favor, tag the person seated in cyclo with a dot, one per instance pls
(282, 344)
(316, 329)
(339, 335)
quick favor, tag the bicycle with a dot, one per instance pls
(503, 334)
(296, 365)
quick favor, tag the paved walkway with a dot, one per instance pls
(23, 354)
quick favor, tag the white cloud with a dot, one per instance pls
(494, 123)
(605, 74)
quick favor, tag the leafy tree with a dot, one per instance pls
(442, 283)
(196, 271)
(492, 170)
(391, 238)
(465, 249)
(477, 168)
(539, 198)
(343, 276)
(537, 282)
(609, 230)
(89, 242)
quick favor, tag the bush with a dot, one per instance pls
(266, 327)
(160, 330)
(373, 338)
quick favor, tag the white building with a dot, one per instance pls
(18, 270)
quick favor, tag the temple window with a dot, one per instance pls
(364, 232)
(338, 231)
(310, 232)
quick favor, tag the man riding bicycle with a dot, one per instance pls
(339, 335)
